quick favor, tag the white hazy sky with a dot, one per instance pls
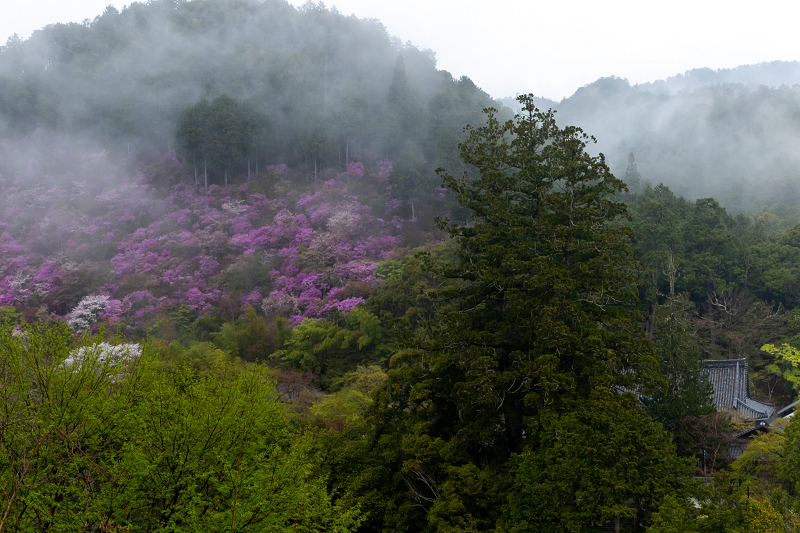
(549, 48)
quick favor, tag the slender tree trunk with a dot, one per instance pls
(347, 152)
(651, 326)
(248, 169)
(194, 159)
(226, 177)
(205, 173)
(413, 215)
(256, 166)
(711, 332)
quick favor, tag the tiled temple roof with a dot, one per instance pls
(732, 389)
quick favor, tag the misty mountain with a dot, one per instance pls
(323, 87)
(771, 74)
(311, 75)
(729, 134)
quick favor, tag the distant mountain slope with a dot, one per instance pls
(771, 74)
(735, 142)
(731, 134)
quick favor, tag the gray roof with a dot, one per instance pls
(732, 389)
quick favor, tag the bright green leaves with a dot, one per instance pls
(58, 424)
(786, 352)
(211, 457)
(722, 510)
(325, 346)
(120, 443)
(350, 403)
(786, 364)
(759, 467)
(196, 446)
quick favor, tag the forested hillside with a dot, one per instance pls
(321, 84)
(727, 134)
(268, 269)
(771, 74)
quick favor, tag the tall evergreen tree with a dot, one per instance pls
(220, 132)
(549, 291)
(192, 135)
(686, 392)
(411, 178)
(403, 110)
(232, 131)
(632, 177)
(541, 331)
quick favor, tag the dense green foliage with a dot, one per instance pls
(492, 382)
(97, 440)
(338, 337)
(730, 279)
(221, 132)
(532, 341)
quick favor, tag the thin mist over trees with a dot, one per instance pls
(772, 74)
(320, 87)
(266, 268)
(729, 134)
(223, 131)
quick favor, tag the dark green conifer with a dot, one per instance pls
(538, 330)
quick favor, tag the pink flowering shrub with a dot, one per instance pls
(141, 246)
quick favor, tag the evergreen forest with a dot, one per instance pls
(267, 269)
